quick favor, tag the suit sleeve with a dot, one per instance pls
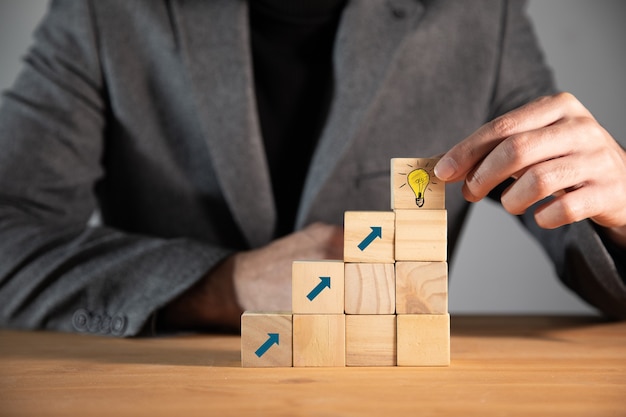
(56, 271)
(584, 260)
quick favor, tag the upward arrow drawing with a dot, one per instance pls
(377, 232)
(273, 338)
(324, 282)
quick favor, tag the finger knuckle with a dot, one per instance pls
(468, 151)
(517, 148)
(538, 179)
(569, 100)
(511, 206)
(590, 126)
(608, 161)
(565, 96)
(476, 180)
(573, 208)
(541, 181)
(504, 125)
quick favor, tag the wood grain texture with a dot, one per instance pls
(370, 288)
(421, 235)
(371, 340)
(421, 287)
(519, 366)
(423, 339)
(319, 340)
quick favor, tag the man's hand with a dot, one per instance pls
(550, 146)
(258, 279)
(262, 277)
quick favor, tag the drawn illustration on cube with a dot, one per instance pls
(369, 236)
(415, 185)
(273, 339)
(266, 339)
(317, 287)
(418, 180)
(384, 304)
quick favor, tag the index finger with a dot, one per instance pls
(458, 161)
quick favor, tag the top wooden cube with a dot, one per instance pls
(415, 186)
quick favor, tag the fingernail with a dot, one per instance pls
(445, 168)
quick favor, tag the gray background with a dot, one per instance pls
(498, 269)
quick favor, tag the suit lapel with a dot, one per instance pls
(214, 40)
(369, 35)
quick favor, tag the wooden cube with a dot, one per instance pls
(421, 235)
(369, 236)
(414, 184)
(319, 340)
(370, 288)
(421, 287)
(266, 339)
(423, 339)
(317, 287)
(371, 340)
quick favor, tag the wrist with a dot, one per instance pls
(210, 303)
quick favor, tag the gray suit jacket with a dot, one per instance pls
(145, 111)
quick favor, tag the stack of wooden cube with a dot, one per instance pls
(384, 304)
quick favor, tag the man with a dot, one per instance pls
(220, 141)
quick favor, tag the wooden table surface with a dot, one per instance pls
(505, 366)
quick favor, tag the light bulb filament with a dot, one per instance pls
(418, 180)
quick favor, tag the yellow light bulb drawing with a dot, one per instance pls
(418, 181)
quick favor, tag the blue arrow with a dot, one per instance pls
(273, 338)
(324, 282)
(376, 232)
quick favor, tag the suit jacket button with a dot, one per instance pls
(118, 325)
(94, 323)
(105, 325)
(80, 320)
